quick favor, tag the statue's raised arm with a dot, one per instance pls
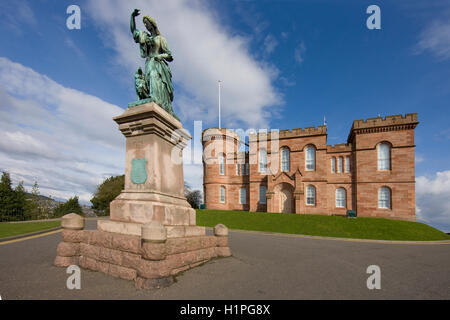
(134, 14)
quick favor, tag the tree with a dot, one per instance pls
(6, 197)
(20, 201)
(106, 192)
(194, 197)
(6, 191)
(70, 206)
(33, 205)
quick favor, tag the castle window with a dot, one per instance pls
(311, 195)
(310, 158)
(238, 172)
(242, 196)
(262, 194)
(285, 165)
(222, 164)
(384, 198)
(246, 169)
(262, 160)
(243, 169)
(384, 157)
(333, 165)
(222, 194)
(347, 164)
(341, 201)
(340, 164)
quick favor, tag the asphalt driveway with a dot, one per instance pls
(263, 266)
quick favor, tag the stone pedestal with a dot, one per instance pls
(151, 234)
(154, 183)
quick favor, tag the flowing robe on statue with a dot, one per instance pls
(157, 72)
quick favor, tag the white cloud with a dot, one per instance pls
(17, 16)
(72, 46)
(433, 200)
(419, 158)
(63, 138)
(299, 53)
(435, 38)
(287, 82)
(203, 53)
(270, 43)
(193, 175)
(21, 143)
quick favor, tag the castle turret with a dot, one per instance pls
(225, 170)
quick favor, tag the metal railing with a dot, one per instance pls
(12, 215)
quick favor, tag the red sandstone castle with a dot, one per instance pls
(295, 171)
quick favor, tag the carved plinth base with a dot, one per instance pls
(151, 235)
(151, 258)
(135, 229)
(145, 207)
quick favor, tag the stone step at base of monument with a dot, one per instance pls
(131, 228)
(149, 264)
(140, 207)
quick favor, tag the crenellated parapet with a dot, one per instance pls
(288, 134)
(337, 148)
(379, 124)
(220, 141)
(220, 134)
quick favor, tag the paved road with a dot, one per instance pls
(262, 267)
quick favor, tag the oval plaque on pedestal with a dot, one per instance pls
(138, 171)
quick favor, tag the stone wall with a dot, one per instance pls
(151, 260)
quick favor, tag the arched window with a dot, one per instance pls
(311, 195)
(340, 164)
(285, 161)
(222, 194)
(242, 196)
(262, 194)
(384, 156)
(347, 164)
(221, 164)
(333, 165)
(341, 201)
(262, 160)
(384, 198)
(310, 159)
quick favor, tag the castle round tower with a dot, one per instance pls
(223, 169)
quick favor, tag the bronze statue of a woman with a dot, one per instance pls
(156, 76)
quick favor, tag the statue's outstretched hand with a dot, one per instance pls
(136, 12)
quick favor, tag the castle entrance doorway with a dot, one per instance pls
(285, 201)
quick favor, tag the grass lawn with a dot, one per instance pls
(13, 229)
(318, 225)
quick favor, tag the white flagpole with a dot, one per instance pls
(220, 84)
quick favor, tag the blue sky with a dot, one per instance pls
(284, 64)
